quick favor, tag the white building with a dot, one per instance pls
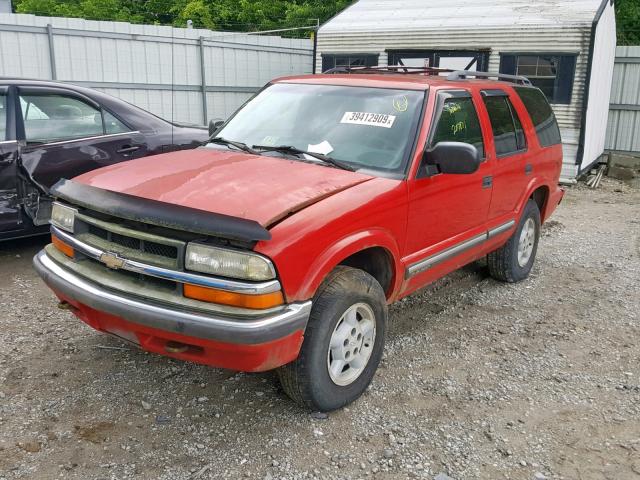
(565, 47)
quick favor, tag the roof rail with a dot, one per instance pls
(390, 69)
(462, 74)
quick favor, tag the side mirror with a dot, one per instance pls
(214, 125)
(453, 157)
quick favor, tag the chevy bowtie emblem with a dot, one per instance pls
(111, 260)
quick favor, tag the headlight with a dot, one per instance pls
(63, 217)
(228, 263)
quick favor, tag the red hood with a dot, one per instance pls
(263, 189)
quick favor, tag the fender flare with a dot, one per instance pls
(338, 251)
(534, 185)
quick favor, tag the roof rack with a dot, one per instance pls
(462, 74)
(390, 69)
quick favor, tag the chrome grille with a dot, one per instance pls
(146, 246)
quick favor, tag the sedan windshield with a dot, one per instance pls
(364, 128)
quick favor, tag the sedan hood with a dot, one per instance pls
(259, 188)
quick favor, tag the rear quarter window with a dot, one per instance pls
(541, 115)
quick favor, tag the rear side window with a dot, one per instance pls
(459, 122)
(507, 129)
(541, 115)
(112, 124)
(3, 117)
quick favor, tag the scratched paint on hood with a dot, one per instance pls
(260, 188)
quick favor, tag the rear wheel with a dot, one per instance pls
(343, 342)
(514, 260)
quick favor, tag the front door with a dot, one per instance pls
(66, 135)
(448, 213)
(9, 203)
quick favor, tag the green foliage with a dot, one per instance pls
(234, 15)
(628, 18)
(245, 15)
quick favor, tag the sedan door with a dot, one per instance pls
(10, 218)
(68, 134)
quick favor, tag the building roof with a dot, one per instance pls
(420, 15)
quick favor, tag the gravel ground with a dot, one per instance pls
(479, 380)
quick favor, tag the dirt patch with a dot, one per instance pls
(95, 433)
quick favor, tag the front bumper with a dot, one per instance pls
(249, 344)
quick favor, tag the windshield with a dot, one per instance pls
(365, 128)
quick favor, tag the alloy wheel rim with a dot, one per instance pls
(351, 344)
(526, 242)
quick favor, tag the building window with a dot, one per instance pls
(552, 73)
(330, 60)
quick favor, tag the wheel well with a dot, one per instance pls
(376, 261)
(540, 197)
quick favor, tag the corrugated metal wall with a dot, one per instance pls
(158, 68)
(530, 39)
(623, 129)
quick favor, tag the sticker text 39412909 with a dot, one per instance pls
(370, 119)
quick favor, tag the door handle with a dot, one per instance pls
(127, 149)
(487, 182)
(528, 169)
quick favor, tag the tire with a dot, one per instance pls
(347, 295)
(508, 263)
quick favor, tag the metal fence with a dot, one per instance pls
(623, 128)
(181, 74)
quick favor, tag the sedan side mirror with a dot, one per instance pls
(214, 125)
(453, 157)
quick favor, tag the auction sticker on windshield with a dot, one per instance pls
(370, 119)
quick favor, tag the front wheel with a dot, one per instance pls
(343, 342)
(514, 260)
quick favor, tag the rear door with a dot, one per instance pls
(67, 134)
(510, 149)
(9, 203)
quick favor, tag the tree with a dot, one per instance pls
(246, 15)
(236, 15)
(628, 18)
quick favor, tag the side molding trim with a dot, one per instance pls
(437, 258)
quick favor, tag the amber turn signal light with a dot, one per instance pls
(63, 247)
(212, 295)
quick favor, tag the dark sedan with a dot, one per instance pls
(52, 130)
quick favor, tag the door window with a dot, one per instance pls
(507, 130)
(459, 122)
(3, 117)
(51, 117)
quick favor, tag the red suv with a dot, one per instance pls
(321, 201)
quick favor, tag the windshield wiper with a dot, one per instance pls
(239, 145)
(297, 151)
